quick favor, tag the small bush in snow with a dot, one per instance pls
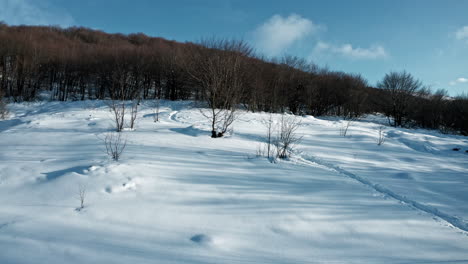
(269, 125)
(115, 144)
(280, 137)
(344, 128)
(156, 107)
(381, 136)
(260, 150)
(3, 107)
(221, 120)
(134, 112)
(81, 196)
(287, 136)
(118, 110)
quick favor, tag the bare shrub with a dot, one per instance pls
(381, 136)
(115, 144)
(344, 128)
(3, 107)
(134, 112)
(156, 108)
(287, 136)
(260, 150)
(3, 110)
(280, 137)
(221, 120)
(118, 109)
(81, 196)
(270, 130)
(447, 130)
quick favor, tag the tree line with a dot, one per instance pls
(78, 63)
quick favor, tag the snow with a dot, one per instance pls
(179, 196)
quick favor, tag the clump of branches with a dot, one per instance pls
(115, 144)
(287, 136)
(381, 136)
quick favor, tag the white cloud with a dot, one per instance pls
(29, 12)
(321, 46)
(462, 33)
(347, 50)
(374, 52)
(278, 33)
(459, 80)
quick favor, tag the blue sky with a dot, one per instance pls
(427, 38)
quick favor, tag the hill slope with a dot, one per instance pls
(179, 196)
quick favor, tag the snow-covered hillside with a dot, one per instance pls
(179, 196)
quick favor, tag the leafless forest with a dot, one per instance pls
(80, 64)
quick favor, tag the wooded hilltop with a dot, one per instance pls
(79, 64)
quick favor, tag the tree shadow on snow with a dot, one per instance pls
(53, 175)
(190, 131)
(7, 124)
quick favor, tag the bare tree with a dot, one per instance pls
(217, 66)
(381, 136)
(287, 136)
(115, 145)
(401, 88)
(79, 63)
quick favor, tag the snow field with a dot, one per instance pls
(178, 196)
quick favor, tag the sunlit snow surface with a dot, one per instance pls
(179, 196)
